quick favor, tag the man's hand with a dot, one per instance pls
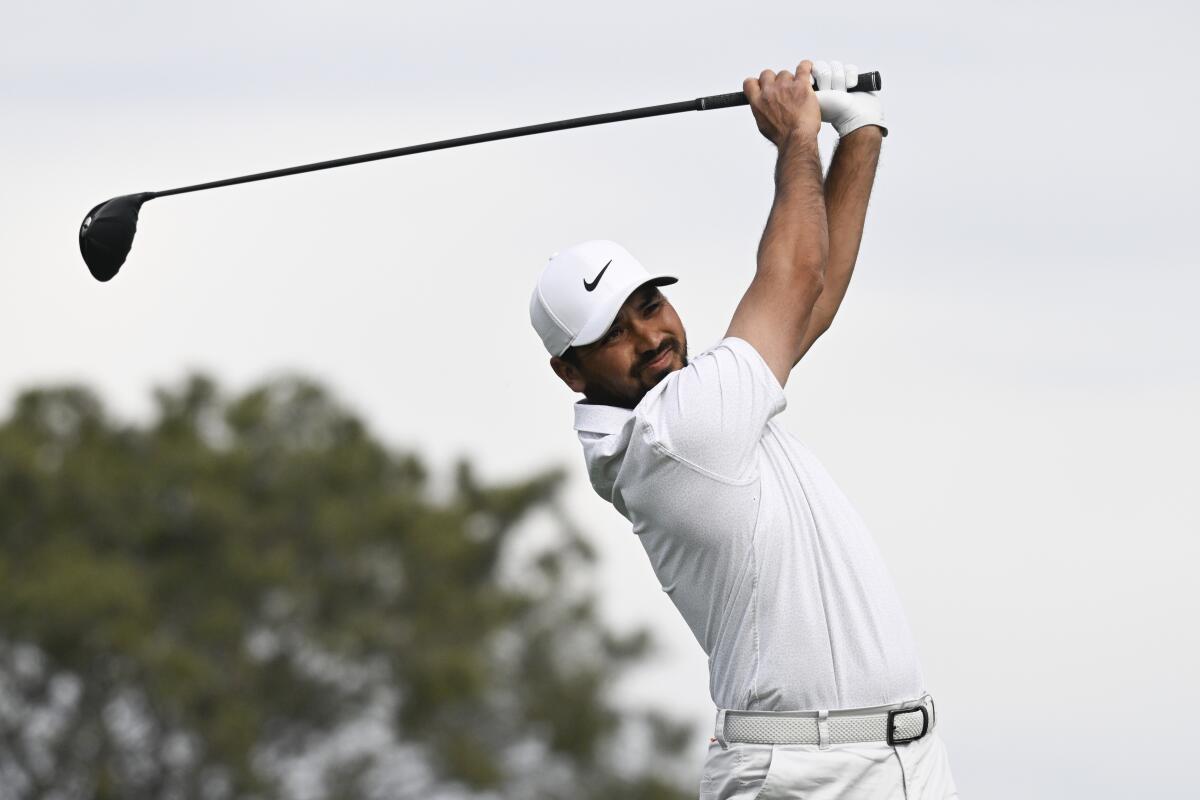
(784, 104)
(847, 111)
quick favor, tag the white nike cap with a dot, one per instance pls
(581, 290)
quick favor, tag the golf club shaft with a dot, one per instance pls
(866, 82)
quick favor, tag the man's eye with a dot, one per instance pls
(608, 337)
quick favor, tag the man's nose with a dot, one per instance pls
(649, 339)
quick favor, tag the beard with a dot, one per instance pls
(645, 380)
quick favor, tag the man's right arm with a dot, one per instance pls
(774, 313)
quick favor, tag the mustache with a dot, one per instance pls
(670, 346)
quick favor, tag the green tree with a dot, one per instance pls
(250, 590)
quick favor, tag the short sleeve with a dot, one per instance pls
(713, 412)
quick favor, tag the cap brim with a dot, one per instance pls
(599, 322)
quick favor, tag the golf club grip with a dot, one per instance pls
(867, 82)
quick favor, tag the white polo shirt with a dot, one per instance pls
(765, 558)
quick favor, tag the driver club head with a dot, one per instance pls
(107, 234)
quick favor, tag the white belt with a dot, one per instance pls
(895, 724)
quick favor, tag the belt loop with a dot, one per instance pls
(823, 729)
(932, 722)
(719, 733)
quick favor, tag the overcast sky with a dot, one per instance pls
(1009, 394)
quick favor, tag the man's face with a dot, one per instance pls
(620, 367)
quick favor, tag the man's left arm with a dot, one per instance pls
(847, 190)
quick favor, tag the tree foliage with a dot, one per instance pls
(251, 596)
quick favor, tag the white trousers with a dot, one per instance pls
(917, 770)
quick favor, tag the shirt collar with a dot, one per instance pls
(600, 418)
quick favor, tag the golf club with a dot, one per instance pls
(106, 235)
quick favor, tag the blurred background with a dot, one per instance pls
(293, 506)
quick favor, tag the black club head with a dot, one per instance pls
(107, 234)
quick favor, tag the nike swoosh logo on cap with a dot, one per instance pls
(592, 285)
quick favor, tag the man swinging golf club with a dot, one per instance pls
(813, 667)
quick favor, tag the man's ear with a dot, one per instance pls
(570, 376)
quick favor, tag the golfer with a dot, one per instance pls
(812, 665)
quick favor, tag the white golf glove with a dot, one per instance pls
(846, 111)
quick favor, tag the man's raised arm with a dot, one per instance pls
(847, 190)
(858, 119)
(774, 313)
